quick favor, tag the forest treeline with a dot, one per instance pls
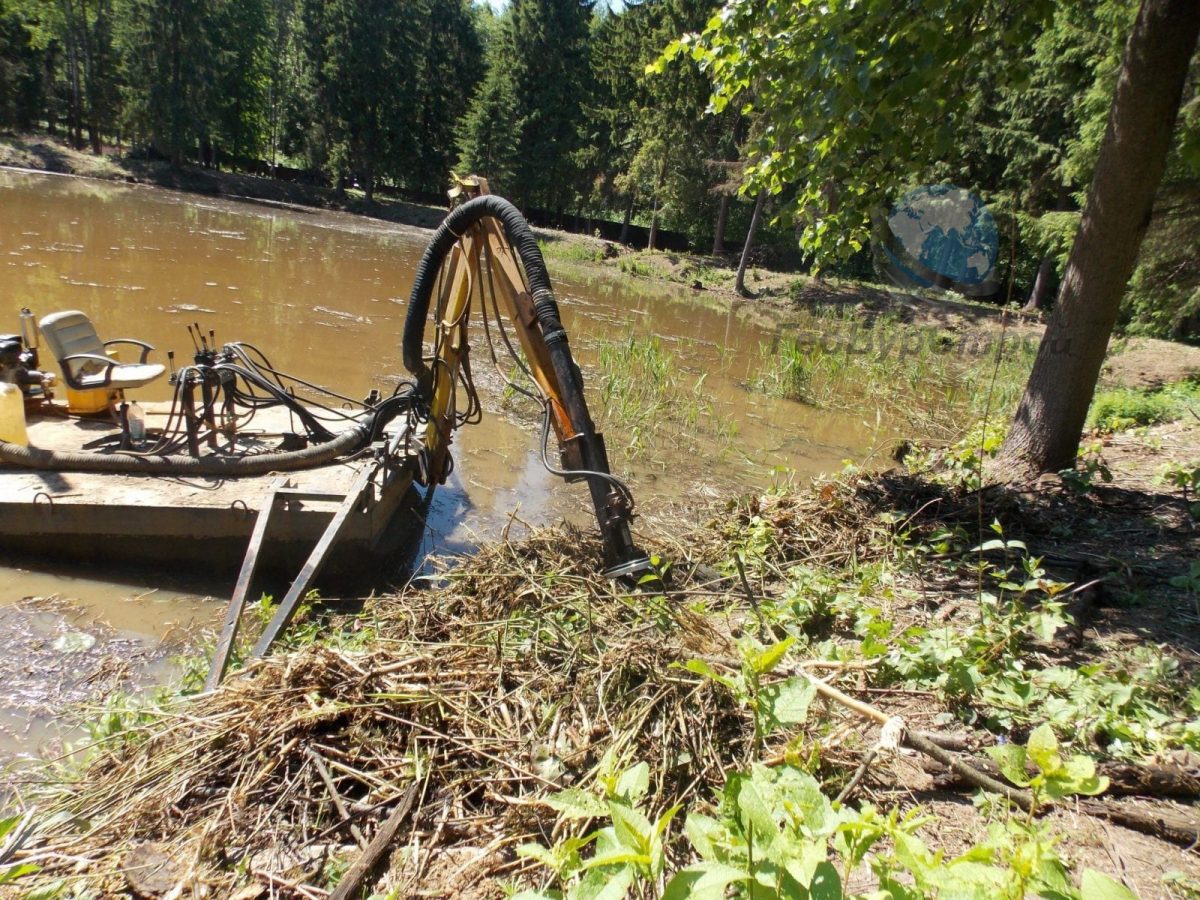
(567, 107)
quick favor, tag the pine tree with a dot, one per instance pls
(165, 51)
(366, 60)
(523, 129)
(452, 65)
(21, 95)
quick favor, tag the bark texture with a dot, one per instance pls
(1051, 415)
(718, 246)
(740, 285)
(1039, 297)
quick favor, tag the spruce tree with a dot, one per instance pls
(523, 129)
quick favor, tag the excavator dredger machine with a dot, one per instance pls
(484, 260)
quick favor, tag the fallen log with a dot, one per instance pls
(1124, 779)
(1169, 823)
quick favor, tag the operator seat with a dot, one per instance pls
(72, 339)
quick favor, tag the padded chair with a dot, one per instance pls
(72, 339)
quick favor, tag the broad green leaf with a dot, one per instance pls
(755, 815)
(539, 853)
(704, 832)
(767, 659)
(599, 885)
(54, 890)
(787, 703)
(1098, 886)
(634, 782)
(8, 824)
(576, 804)
(664, 821)
(993, 544)
(1011, 760)
(702, 881)
(11, 874)
(700, 667)
(1042, 748)
(825, 884)
(1077, 776)
(616, 858)
(632, 828)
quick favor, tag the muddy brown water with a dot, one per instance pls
(324, 294)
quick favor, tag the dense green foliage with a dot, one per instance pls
(860, 103)
(573, 108)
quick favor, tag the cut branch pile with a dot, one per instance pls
(486, 694)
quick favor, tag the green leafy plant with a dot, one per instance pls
(775, 834)
(1190, 582)
(1056, 776)
(1184, 478)
(627, 851)
(773, 704)
(1091, 465)
(770, 839)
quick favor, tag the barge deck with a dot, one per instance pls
(196, 521)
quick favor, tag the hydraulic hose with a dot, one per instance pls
(524, 242)
(211, 466)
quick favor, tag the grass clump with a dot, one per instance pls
(1123, 408)
(644, 393)
(576, 251)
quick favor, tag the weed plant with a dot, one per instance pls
(1123, 408)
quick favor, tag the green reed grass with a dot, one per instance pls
(932, 379)
(645, 394)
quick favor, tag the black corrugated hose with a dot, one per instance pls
(622, 556)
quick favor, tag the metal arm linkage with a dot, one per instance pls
(485, 249)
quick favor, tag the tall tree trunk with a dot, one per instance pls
(658, 186)
(722, 220)
(740, 284)
(1039, 297)
(74, 119)
(624, 238)
(1049, 421)
(90, 78)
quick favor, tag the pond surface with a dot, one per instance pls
(324, 294)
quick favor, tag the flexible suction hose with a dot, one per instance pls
(614, 508)
(233, 467)
(522, 238)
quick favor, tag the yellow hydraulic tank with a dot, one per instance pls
(83, 403)
(12, 415)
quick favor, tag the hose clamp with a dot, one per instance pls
(554, 337)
